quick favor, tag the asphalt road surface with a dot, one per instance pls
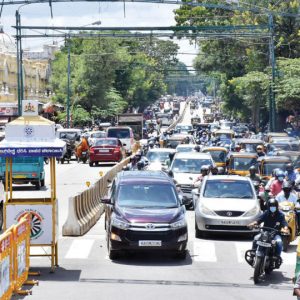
(214, 267)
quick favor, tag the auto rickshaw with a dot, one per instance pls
(266, 164)
(269, 135)
(249, 145)
(209, 118)
(288, 208)
(293, 155)
(195, 120)
(240, 162)
(225, 135)
(218, 154)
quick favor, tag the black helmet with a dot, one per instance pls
(252, 169)
(214, 171)
(197, 148)
(273, 202)
(171, 155)
(140, 165)
(204, 168)
(151, 144)
(289, 167)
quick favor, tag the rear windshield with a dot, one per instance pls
(190, 165)
(147, 196)
(106, 142)
(98, 135)
(120, 133)
(157, 156)
(68, 135)
(270, 166)
(228, 189)
(218, 155)
(242, 163)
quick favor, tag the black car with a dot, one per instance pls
(144, 212)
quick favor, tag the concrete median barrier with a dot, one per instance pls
(85, 208)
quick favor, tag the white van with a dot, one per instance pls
(124, 134)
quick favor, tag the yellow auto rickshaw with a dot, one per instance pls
(270, 135)
(249, 145)
(293, 155)
(218, 154)
(266, 164)
(240, 162)
(224, 135)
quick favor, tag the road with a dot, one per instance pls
(214, 268)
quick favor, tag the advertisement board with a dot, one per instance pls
(41, 220)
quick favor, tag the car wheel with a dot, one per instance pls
(38, 185)
(112, 254)
(91, 164)
(43, 182)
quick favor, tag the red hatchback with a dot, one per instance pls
(106, 150)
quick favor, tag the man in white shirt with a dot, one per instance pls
(287, 194)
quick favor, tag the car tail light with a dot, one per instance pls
(33, 174)
(116, 150)
(92, 150)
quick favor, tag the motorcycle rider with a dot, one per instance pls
(291, 174)
(253, 175)
(197, 148)
(260, 151)
(163, 139)
(287, 194)
(276, 185)
(168, 161)
(204, 171)
(214, 170)
(221, 171)
(83, 146)
(272, 218)
(204, 138)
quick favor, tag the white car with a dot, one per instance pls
(185, 148)
(186, 168)
(226, 203)
(157, 158)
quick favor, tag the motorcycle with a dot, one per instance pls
(84, 157)
(68, 154)
(263, 259)
(288, 208)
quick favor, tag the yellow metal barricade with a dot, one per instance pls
(21, 254)
(6, 265)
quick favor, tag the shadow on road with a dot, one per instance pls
(152, 259)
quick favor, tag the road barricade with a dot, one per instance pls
(14, 259)
(85, 208)
(179, 119)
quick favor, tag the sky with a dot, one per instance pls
(83, 13)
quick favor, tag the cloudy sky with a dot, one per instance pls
(81, 14)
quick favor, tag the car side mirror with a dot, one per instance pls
(106, 201)
(170, 173)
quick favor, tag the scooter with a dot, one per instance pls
(288, 208)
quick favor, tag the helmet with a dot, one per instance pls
(289, 167)
(280, 175)
(204, 133)
(273, 203)
(237, 146)
(252, 170)
(197, 148)
(274, 172)
(140, 165)
(204, 168)
(259, 148)
(151, 144)
(221, 171)
(214, 171)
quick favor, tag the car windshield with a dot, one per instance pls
(242, 163)
(68, 135)
(157, 156)
(224, 136)
(270, 166)
(249, 147)
(228, 189)
(217, 156)
(183, 128)
(285, 147)
(147, 196)
(190, 165)
(98, 135)
(120, 133)
(184, 149)
(109, 142)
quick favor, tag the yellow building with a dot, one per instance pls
(36, 73)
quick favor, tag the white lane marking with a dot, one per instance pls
(241, 248)
(80, 249)
(204, 251)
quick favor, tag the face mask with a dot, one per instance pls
(280, 179)
(272, 209)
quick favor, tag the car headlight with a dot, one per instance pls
(119, 223)
(252, 212)
(206, 211)
(179, 224)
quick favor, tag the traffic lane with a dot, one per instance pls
(70, 179)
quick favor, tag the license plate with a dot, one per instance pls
(150, 243)
(104, 150)
(263, 244)
(230, 222)
(19, 176)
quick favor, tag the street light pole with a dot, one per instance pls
(69, 83)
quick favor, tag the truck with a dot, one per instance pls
(135, 121)
(25, 170)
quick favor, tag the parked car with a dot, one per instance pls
(106, 150)
(144, 212)
(226, 203)
(124, 134)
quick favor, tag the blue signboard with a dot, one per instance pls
(32, 151)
